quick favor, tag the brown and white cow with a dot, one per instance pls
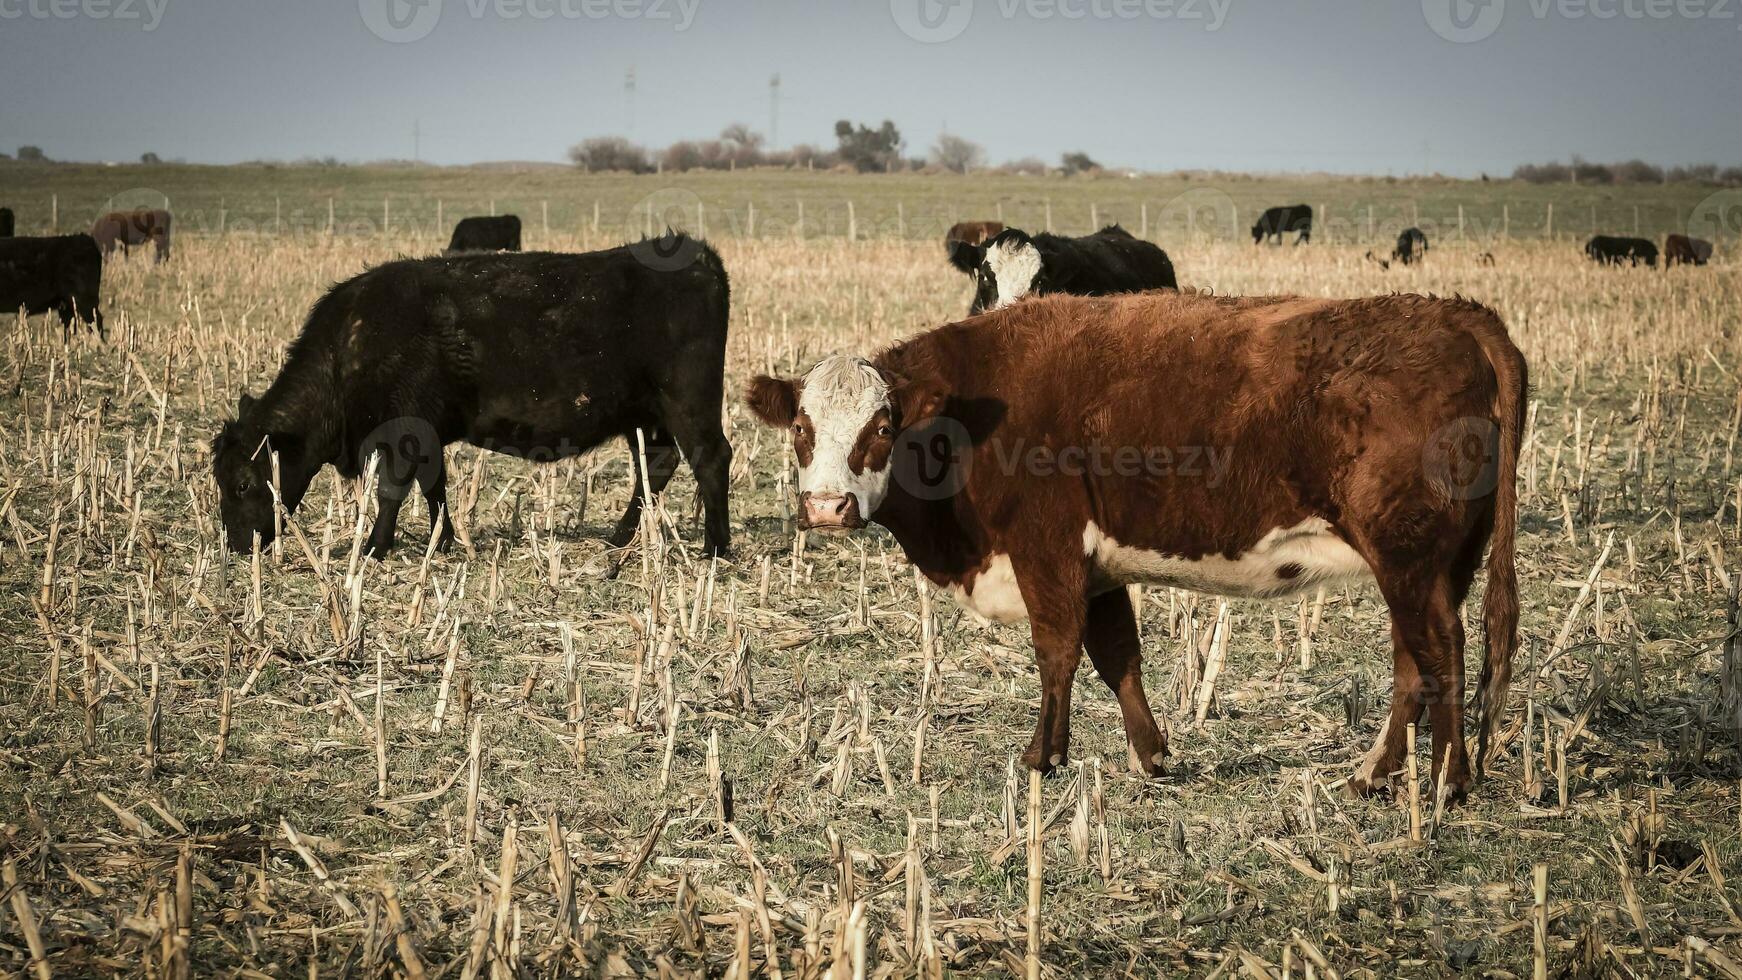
(1037, 459)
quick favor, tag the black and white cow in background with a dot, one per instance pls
(1015, 264)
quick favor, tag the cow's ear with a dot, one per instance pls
(244, 405)
(774, 400)
(966, 258)
(918, 400)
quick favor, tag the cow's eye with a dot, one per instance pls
(884, 431)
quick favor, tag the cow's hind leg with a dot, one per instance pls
(696, 427)
(1385, 758)
(1110, 636)
(432, 479)
(1428, 639)
(661, 464)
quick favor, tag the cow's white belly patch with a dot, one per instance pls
(993, 596)
(1284, 562)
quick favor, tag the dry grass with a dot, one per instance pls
(498, 761)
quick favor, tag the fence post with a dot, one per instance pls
(1094, 218)
(277, 210)
(799, 228)
(1505, 221)
(900, 220)
(1460, 222)
(439, 221)
(852, 223)
(1049, 215)
(544, 215)
(386, 216)
(54, 212)
(1143, 220)
(329, 216)
(1549, 227)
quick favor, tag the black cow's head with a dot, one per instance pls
(1005, 269)
(242, 456)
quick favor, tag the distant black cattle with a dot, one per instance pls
(1609, 250)
(1014, 264)
(1275, 222)
(495, 234)
(125, 229)
(7, 223)
(63, 274)
(1682, 250)
(538, 355)
(1411, 246)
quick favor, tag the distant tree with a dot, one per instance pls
(742, 135)
(1078, 163)
(1637, 172)
(952, 152)
(1586, 172)
(866, 149)
(681, 156)
(32, 154)
(1730, 175)
(605, 153)
(1027, 166)
(150, 158)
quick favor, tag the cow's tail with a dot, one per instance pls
(1500, 603)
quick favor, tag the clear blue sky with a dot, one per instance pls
(1286, 85)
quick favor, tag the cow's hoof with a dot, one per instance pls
(1044, 765)
(1152, 768)
(1365, 785)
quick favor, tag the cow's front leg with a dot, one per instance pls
(1054, 590)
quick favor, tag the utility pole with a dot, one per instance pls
(774, 111)
(629, 103)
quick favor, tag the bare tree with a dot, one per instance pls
(955, 153)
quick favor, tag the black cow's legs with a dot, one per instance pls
(388, 498)
(710, 458)
(661, 464)
(435, 493)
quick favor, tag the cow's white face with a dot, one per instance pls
(844, 416)
(1014, 265)
(1004, 270)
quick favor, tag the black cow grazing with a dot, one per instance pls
(1275, 222)
(496, 234)
(1609, 250)
(1014, 264)
(537, 355)
(1411, 246)
(63, 274)
(1682, 250)
(7, 223)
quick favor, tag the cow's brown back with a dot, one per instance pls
(973, 232)
(125, 229)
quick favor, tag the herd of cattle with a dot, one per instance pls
(1088, 426)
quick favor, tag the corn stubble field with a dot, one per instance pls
(796, 764)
